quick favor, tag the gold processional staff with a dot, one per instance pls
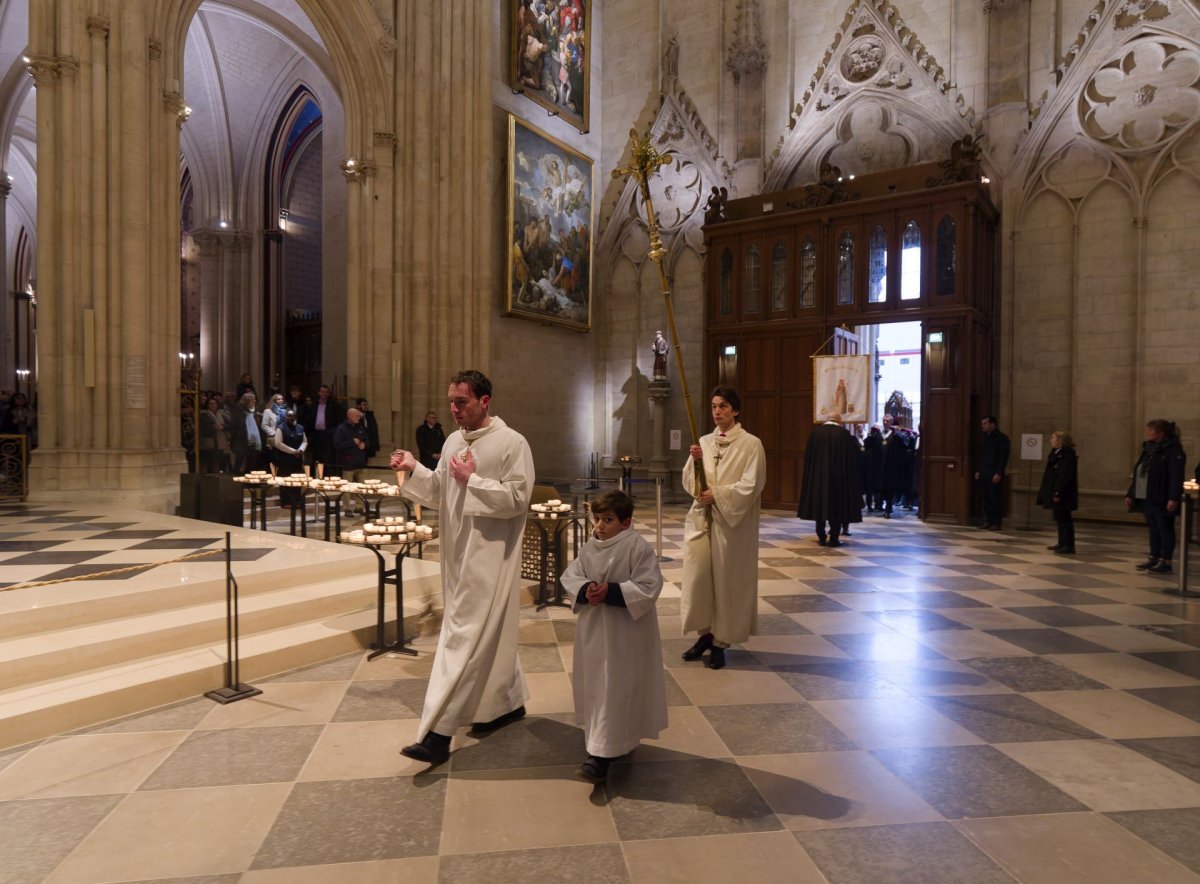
(646, 160)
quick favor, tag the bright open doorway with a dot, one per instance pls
(896, 350)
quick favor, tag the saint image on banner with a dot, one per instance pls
(841, 387)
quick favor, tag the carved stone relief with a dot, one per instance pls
(677, 191)
(1143, 96)
(870, 141)
(1134, 12)
(863, 59)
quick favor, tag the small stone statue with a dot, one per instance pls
(714, 209)
(660, 348)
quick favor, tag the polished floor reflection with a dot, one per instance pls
(925, 704)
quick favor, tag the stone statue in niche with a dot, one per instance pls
(714, 209)
(660, 348)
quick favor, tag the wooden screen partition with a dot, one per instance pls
(788, 272)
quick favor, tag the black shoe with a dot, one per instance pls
(696, 651)
(1066, 550)
(716, 660)
(433, 750)
(993, 528)
(887, 515)
(1162, 567)
(1055, 548)
(1146, 565)
(821, 541)
(835, 543)
(595, 769)
(486, 727)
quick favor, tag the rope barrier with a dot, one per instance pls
(129, 569)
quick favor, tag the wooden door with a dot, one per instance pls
(945, 420)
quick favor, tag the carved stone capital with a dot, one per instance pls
(154, 48)
(356, 171)
(175, 104)
(98, 26)
(387, 138)
(208, 242)
(44, 69)
(5, 187)
(387, 45)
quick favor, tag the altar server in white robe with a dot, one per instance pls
(481, 487)
(720, 551)
(620, 692)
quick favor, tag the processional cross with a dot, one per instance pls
(646, 161)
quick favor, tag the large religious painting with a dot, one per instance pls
(841, 386)
(549, 229)
(550, 55)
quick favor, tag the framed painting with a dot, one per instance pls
(549, 229)
(550, 55)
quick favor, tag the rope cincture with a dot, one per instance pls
(128, 569)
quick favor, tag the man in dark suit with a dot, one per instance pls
(319, 421)
(993, 461)
(372, 428)
(430, 439)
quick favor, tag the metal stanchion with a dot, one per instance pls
(234, 689)
(658, 503)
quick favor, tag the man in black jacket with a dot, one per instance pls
(372, 428)
(1157, 490)
(350, 441)
(430, 439)
(320, 420)
(993, 461)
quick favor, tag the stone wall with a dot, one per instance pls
(303, 241)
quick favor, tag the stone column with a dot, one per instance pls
(108, 252)
(660, 461)
(443, 297)
(8, 341)
(212, 349)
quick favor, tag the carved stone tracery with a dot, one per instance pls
(1143, 96)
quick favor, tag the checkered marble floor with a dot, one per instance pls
(926, 704)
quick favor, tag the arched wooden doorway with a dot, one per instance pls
(789, 273)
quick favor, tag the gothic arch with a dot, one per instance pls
(874, 61)
(354, 36)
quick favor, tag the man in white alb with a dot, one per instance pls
(481, 487)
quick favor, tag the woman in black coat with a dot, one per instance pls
(1157, 489)
(1059, 492)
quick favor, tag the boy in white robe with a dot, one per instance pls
(620, 692)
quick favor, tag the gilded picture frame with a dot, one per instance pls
(550, 58)
(549, 237)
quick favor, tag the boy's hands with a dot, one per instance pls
(597, 593)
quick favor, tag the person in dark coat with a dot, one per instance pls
(1157, 489)
(289, 447)
(1059, 491)
(993, 462)
(894, 476)
(320, 419)
(831, 491)
(430, 439)
(873, 469)
(350, 442)
(368, 421)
